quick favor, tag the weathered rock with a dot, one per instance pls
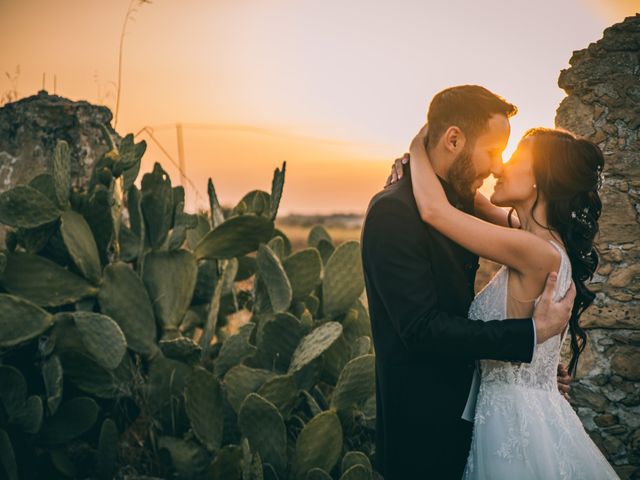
(583, 397)
(626, 362)
(603, 105)
(612, 445)
(634, 447)
(612, 315)
(587, 361)
(31, 127)
(623, 276)
(606, 420)
(630, 338)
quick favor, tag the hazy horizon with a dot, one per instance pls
(336, 89)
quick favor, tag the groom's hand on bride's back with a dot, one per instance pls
(397, 170)
(551, 317)
(564, 381)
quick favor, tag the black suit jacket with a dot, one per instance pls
(419, 287)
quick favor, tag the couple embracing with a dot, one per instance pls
(470, 386)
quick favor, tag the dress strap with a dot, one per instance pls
(564, 279)
(564, 271)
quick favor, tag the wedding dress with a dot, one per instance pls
(523, 427)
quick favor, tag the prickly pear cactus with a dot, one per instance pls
(343, 279)
(275, 279)
(304, 269)
(176, 345)
(356, 383)
(124, 298)
(204, 407)
(319, 445)
(21, 320)
(314, 344)
(262, 424)
(235, 237)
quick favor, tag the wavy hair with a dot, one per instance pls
(568, 173)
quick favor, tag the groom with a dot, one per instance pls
(419, 287)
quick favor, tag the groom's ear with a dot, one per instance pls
(453, 139)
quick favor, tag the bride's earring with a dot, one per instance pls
(534, 185)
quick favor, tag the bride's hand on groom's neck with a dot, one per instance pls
(397, 170)
(420, 139)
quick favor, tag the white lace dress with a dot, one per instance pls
(523, 427)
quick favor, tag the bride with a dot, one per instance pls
(523, 427)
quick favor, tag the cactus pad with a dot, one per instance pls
(234, 237)
(72, 419)
(226, 465)
(317, 233)
(278, 340)
(156, 203)
(241, 380)
(355, 458)
(21, 320)
(203, 402)
(81, 245)
(170, 278)
(275, 279)
(107, 449)
(262, 424)
(282, 392)
(124, 298)
(343, 279)
(317, 474)
(183, 349)
(53, 376)
(304, 269)
(314, 344)
(319, 444)
(7, 457)
(102, 337)
(234, 349)
(356, 383)
(277, 185)
(357, 472)
(42, 281)
(25, 206)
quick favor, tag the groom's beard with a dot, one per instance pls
(462, 174)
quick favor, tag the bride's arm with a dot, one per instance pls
(483, 207)
(486, 210)
(518, 249)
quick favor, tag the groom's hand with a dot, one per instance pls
(564, 381)
(551, 317)
(397, 170)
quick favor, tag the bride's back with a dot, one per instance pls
(494, 302)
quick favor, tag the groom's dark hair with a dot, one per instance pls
(467, 107)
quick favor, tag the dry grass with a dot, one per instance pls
(298, 234)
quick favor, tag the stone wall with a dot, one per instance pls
(30, 129)
(603, 105)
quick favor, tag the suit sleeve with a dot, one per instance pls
(399, 269)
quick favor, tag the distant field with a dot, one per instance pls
(298, 234)
(297, 229)
(341, 227)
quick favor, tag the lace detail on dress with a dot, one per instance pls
(491, 303)
(523, 427)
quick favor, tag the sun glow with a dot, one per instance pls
(337, 105)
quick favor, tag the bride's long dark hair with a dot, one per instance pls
(568, 174)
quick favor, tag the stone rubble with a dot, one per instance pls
(603, 105)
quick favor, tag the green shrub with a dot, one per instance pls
(116, 353)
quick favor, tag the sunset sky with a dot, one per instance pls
(337, 88)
